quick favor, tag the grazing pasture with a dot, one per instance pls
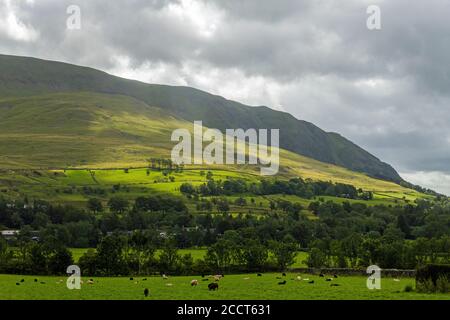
(234, 287)
(77, 186)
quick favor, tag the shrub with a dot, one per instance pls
(443, 284)
(433, 272)
(425, 286)
(409, 288)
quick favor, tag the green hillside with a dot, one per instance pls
(72, 130)
(21, 77)
(90, 130)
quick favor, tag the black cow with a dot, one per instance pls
(213, 286)
(146, 292)
(282, 283)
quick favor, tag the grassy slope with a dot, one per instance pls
(69, 130)
(89, 130)
(21, 76)
(232, 287)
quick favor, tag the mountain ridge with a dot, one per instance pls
(21, 76)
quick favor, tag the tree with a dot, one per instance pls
(350, 248)
(95, 205)
(38, 259)
(223, 205)
(118, 204)
(219, 255)
(88, 263)
(255, 255)
(316, 258)
(110, 256)
(143, 248)
(5, 254)
(59, 261)
(169, 256)
(187, 188)
(240, 202)
(284, 252)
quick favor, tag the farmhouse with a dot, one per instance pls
(9, 234)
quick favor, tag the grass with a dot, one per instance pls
(232, 287)
(65, 186)
(107, 131)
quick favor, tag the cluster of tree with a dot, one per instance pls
(422, 189)
(31, 257)
(393, 230)
(299, 187)
(388, 251)
(145, 253)
(162, 164)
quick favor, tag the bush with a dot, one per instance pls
(433, 278)
(443, 284)
(433, 272)
(409, 288)
(425, 286)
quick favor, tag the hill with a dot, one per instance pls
(22, 76)
(96, 131)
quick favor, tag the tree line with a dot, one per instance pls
(297, 186)
(347, 234)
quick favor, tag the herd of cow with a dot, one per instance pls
(213, 286)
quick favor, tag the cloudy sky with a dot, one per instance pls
(387, 90)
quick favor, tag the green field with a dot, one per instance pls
(67, 186)
(232, 287)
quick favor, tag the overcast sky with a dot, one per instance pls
(387, 90)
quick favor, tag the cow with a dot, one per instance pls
(146, 292)
(282, 283)
(194, 283)
(213, 286)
